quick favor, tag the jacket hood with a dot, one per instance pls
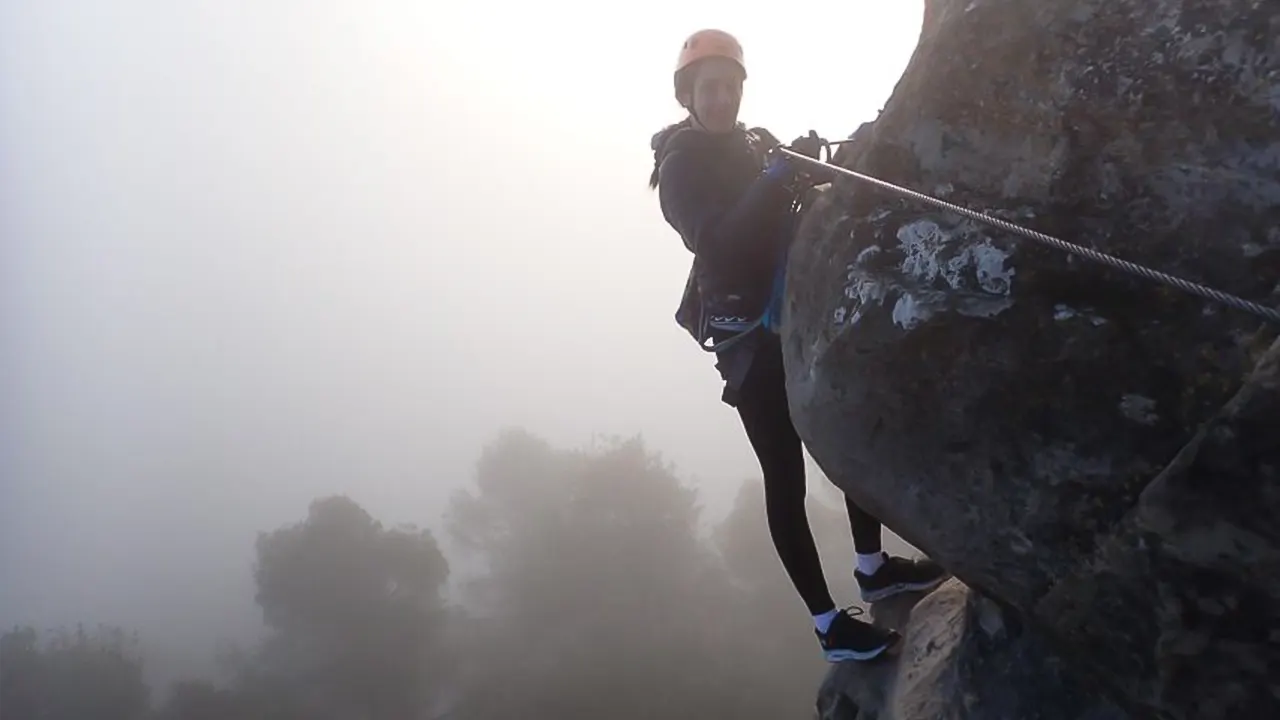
(678, 136)
(661, 141)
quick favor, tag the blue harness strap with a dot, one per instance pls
(771, 320)
(772, 317)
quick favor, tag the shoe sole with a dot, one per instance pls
(899, 588)
(838, 656)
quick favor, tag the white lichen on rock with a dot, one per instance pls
(933, 269)
(1139, 409)
(909, 312)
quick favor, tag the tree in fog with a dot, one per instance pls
(356, 625)
(600, 598)
(597, 597)
(355, 609)
(201, 700)
(71, 675)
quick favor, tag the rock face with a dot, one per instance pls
(958, 660)
(1095, 451)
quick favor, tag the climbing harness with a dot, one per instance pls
(770, 319)
(1239, 303)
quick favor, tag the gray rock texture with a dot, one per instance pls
(959, 660)
(1098, 453)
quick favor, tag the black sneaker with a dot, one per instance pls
(852, 639)
(899, 575)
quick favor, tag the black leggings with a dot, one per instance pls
(762, 405)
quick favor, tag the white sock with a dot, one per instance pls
(823, 621)
(869, 564)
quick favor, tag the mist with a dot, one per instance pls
(256, 254)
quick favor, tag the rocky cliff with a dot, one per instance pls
(1085, 447)
(960, 659)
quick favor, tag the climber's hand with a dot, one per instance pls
(778, 165)
(810, 174)
(802, 175)
(809, 145)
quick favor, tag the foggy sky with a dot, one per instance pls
(254, 253)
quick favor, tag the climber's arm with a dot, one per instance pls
(716, 227)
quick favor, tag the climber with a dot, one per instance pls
(730, 198)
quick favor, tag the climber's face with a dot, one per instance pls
(717, 94)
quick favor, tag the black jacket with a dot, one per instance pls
(734, 218)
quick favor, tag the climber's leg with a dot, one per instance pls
(765, 414)
(763, 408)
(866, 536)
(878, 574)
